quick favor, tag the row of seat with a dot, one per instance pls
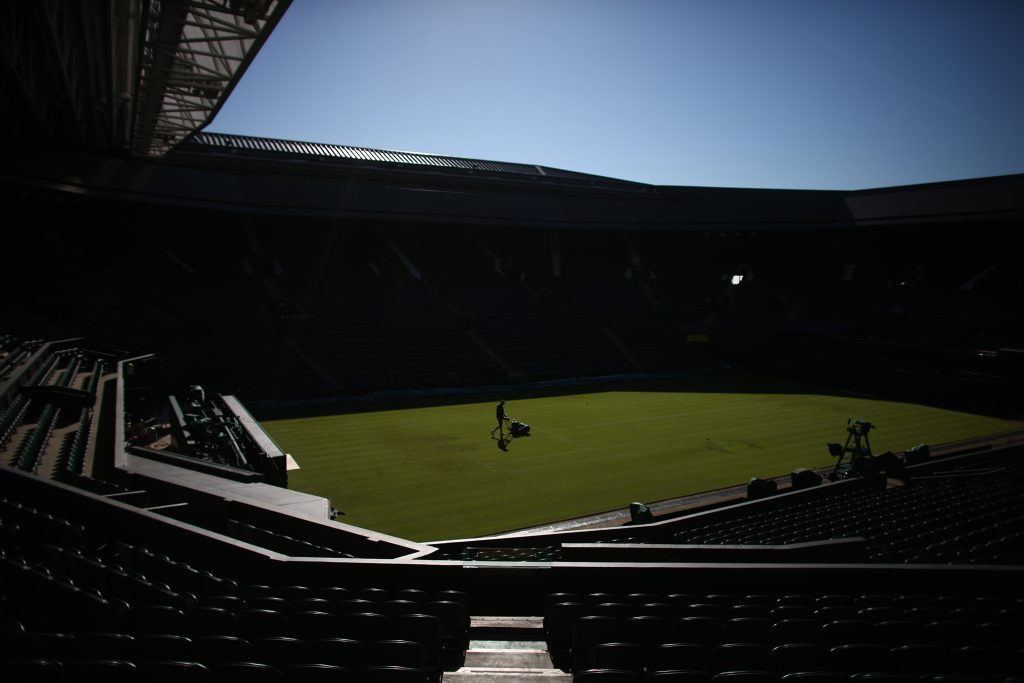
(755, 676)
(903, 601)
(64, 604)
(588, 632)
(37, 526)
(372, 594)
(915, 659)
(95, 569)
(26, 456)
(971, 518)
(275, 650)
(429, 629)
(72, 457)
(279, 542)
(184, 671)
(872, 608)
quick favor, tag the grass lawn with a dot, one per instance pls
(433, 473)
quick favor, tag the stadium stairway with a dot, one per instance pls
(507, 650)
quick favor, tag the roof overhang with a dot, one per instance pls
(124, 76)
(192, 54)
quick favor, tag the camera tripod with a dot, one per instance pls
(857, 445)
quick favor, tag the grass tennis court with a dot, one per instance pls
(432, 473)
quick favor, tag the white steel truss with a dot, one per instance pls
(192, 52)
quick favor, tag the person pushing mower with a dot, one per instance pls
(502, 419)
(515, 427)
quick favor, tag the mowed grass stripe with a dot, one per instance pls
(433, 472)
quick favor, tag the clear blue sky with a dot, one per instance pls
(827, 94)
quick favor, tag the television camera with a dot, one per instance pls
(857, 446)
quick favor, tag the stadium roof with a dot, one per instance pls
(313, 151)
(127, 76)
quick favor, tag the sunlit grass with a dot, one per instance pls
(432, 473)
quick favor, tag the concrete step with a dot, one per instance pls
(507, 628)
(507, 650)
(491, 675)
(508, 659)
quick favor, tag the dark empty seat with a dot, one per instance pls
(11, 628)
(837, 612)
(747, 676)
(245, 672)
(816, 677)
(34, 670)
(682, 599)
(640, 598)
(454, 620)
(363, 626)
(294, 592)
(331, 593)
(173, 672)
(280, 651)
(798, 631)
(271, 602)
(104, 646)
(312, 625)
(254, 591)
(678, 656)
(918, 658)
(232, 603)
(343, 652)
(1005, 633)
(552, 599)
(618, 610)
(412, 594)
(44, 646)
(558, 623)
(748, 630)
(220, 648)
(898, 632)
(261, 623)
(860, 657)
(312, 604)
(706, 630)
(395, 607)
(680, 676)
(647, 630)
(847, 631)
(740, 656)
(623, 656)
(656, 608)
(878, 614)
(318, 673)
(793, 657)
(453, 596)
(158, 619)
(211, 621)
(946, 632)
(705, 609)
(589, 631)
(985, 659)
(392, 674)
(781, 612)
(405, 653)
(608, 676)
(161, 646)
(419, 628)
(372, 594)
(749, 611)
(105, 670)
